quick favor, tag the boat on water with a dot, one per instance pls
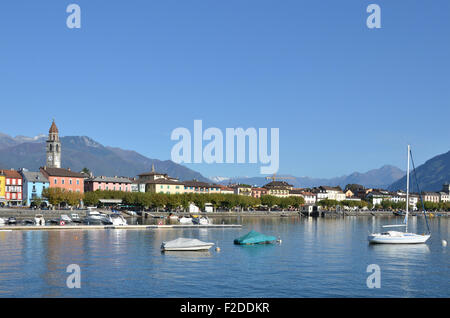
(2, 221)
(185, 220)
(254, 237)
(75, 218)
(202, 220)
(399, 213)
(398, 237)
(117, 219)
(96, 218)
(39, 220)
(185, 244)
(11, 221)
(173, 216)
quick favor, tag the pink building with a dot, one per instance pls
(107, 183)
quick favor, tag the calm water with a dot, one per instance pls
(317, 258)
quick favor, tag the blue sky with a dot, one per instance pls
(345, 98)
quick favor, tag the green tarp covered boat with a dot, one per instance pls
(254, 237)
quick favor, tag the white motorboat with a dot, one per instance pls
(2, 221)
(39, 220)
(97, 218)
(75, 218)
(65, 218)
(117, 219)
(186, 244)
(201, 220)
(185, 220)
(397, 237)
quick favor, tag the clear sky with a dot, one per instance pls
(345, 98)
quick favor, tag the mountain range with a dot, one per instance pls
(375, 178)
(430, 176)
(81, 151)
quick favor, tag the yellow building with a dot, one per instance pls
(164, 186)
(2, 187)
(278, 188)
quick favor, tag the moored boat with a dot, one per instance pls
(185, 220)
(186, 244)
(254, 237)
(39, 220)
(203, 220)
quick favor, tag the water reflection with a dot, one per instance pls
(189, 255)
(319, 257)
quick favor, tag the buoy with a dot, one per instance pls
(444, 243)
(217, 247)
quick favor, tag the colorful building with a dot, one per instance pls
(2, 188)
(195, 186)
(164, 186)
(64, 178)
(13, 187)
(33, 185)
(107, 183)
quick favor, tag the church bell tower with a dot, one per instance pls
(53, 147)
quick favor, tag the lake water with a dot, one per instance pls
(323, 257)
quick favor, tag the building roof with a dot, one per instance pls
(152, 173)
(61, 172)
(31, 176)
(278, 184)
(12, 174)
(195, 183)
(163, 181)
(53, 128)
(331, 188)
(109, 179)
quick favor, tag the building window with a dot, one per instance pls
(62, 181)
(78, 182)
(55, 181)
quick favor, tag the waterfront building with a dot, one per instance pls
(310, 198)
(195, 186)
(151, 176)
(431, 197)
(135, 185)
(444, 197)
(13, 187)
(446, 188)
(162, 185)
(225, 189)
(33, 185)
(2, 188)
(107, 183)
(330, 193)
(242, 189)
(377, 196)
(349, 193)
(64, 178)
(53, 148)
(258, 192)
(278, 188)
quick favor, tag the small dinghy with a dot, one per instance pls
(185, 244)
(254, 237)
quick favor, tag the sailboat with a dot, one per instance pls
(398, 237)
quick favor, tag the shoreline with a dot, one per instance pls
(28, 213)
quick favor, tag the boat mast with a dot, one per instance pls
(407, 190)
